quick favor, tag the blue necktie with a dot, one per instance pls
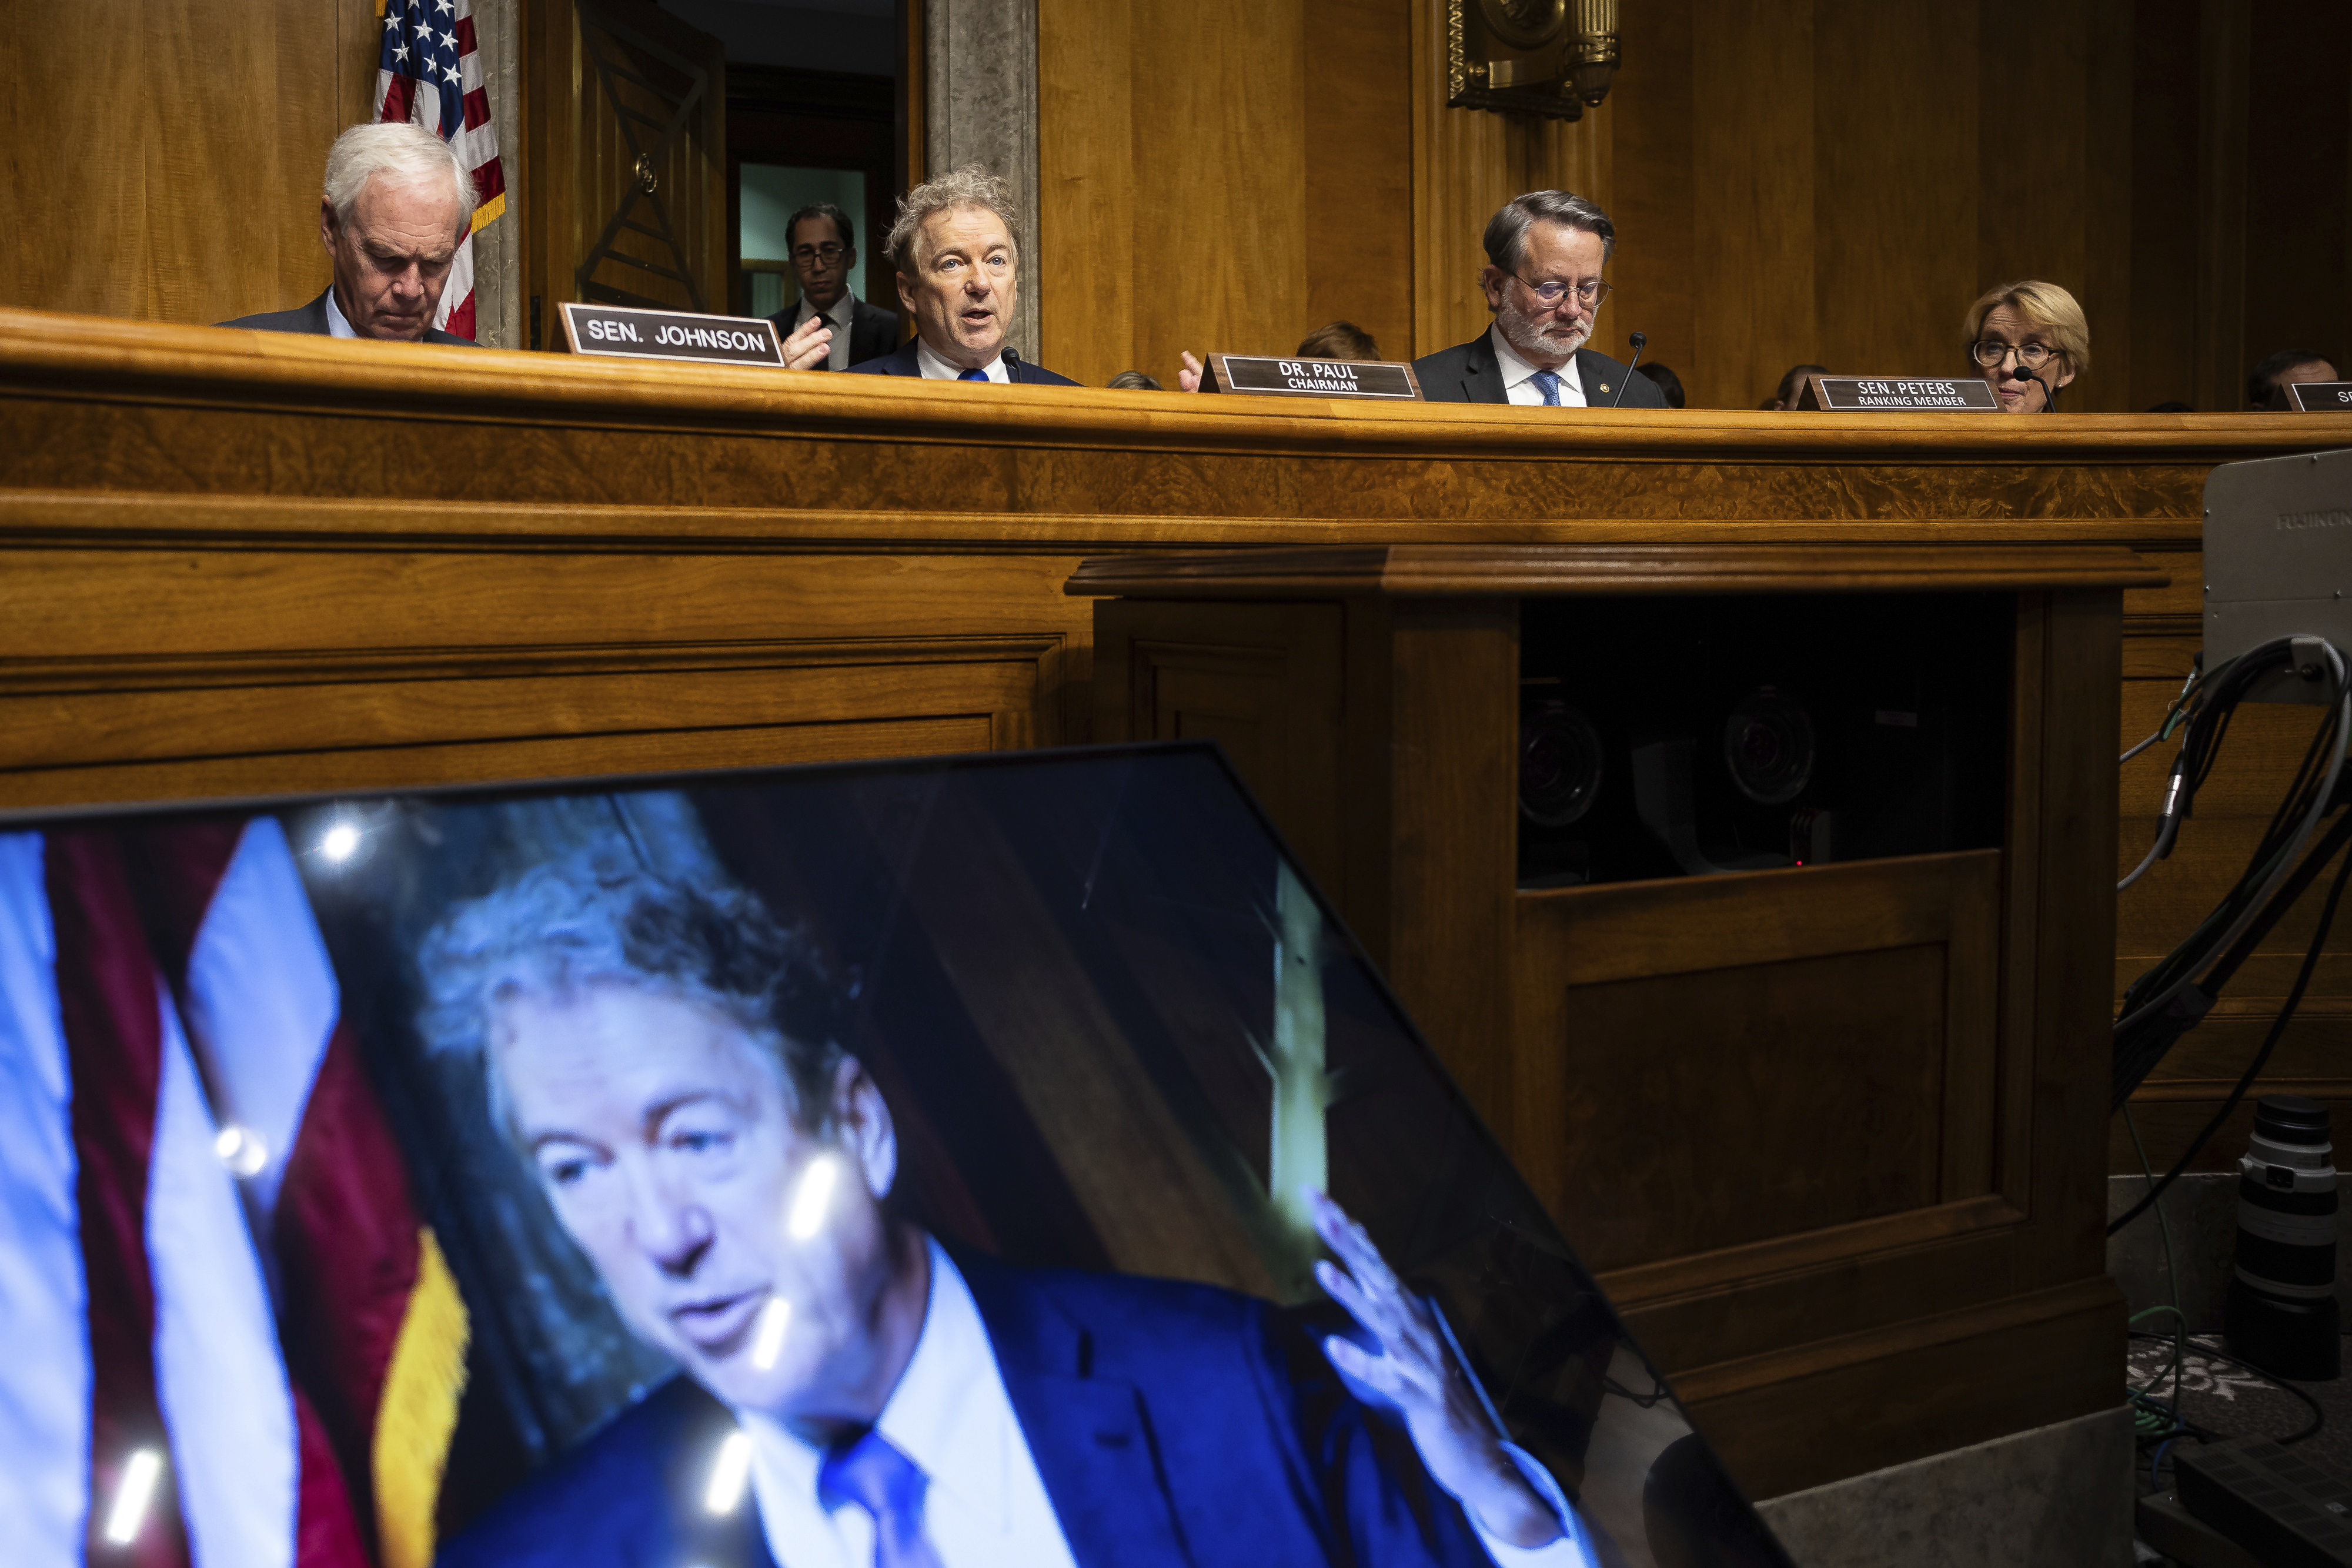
(883, 1482)
(973, 376)
(1547, 383)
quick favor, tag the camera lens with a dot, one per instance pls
(1767, 744)
(1560, 764)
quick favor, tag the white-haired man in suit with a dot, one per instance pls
(1545, 252)
(396, 203)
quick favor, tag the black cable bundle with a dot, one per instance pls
(2166, 1001)
(2169, 999)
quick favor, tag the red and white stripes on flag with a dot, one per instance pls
(211, 1254)
(430, 71)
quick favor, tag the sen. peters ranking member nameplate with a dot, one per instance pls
(1266, 374)
(1898, 394)
(633, 334)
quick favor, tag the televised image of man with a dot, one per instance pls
(1545, 253)
(666, 1057)
(396, 205)
(822, 242)
(959, 271)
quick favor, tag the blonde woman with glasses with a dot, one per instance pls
(2028, 339)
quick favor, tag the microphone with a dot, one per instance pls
(1639, 344)
(2049, 392)
(1012, 364)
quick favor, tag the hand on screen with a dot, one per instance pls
(1417, 1371)
(1189, 377)
(809, 344)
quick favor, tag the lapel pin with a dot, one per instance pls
(1605, 386)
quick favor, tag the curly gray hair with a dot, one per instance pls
(969, 186)
(560, 927)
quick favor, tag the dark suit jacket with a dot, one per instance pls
(904, 363)
(313, 319)
(1174, 1426)
(873, 331)
(1471, 374)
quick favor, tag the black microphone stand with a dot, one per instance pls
(1639, 344)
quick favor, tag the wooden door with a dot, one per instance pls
(628, 142)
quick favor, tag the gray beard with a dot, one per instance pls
(1521, 334)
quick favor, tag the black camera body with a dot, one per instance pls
(1685, 737)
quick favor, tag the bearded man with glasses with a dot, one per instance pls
(1545, 252)
(824, 245)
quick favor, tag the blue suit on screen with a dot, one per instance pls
(1174, 1426)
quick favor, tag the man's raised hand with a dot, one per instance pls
(810, 341)
(1415, 1368)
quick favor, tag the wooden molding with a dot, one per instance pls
(1401, 570)
(100, 358)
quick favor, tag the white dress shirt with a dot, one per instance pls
(1520, 388)
(836, 356)
(986, 1506)
(336, 326)
(936, 369)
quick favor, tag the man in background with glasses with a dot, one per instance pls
(823, 246)
(1545, 251)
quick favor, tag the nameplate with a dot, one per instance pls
(633, 334)
(2320, 397)
(1310, 377)
(1903, 394)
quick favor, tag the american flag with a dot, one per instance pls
(430, 73)
(229, 1338)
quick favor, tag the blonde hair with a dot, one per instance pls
(404, 151)
(2048, 310)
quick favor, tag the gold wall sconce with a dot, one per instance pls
(1550, 57)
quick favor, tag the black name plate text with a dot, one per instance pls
(1310, 377)
(2320, 397)
(1898, 394)
(671, 335)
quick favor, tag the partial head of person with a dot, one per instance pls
(2267, 387)
(1792, 385)
(1339, 341)
(822, 243)
(959, 264)
(397, 204)
(1133, 381)
(2028, 339)
(1670, 385)
(668, 1059)
(1545, 253)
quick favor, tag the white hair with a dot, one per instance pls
(402, 152)
(969, 186)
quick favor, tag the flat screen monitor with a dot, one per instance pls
(989, 1160)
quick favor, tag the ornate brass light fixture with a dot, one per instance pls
(1551, 58)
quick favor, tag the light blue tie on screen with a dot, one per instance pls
(973, 376)
(883, 1482)
(1547, 383)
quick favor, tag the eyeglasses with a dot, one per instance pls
(1588, 294)
(829, 251)
(2032, 356)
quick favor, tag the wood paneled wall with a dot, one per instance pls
(1793, 180)
(1189, 151)
(165, 159)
